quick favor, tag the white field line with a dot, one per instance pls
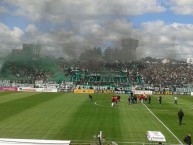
(8, 141)
(163, 124)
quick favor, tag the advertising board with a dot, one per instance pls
(83, 91)
(46, 90)
(142, 92)
(26, 89)
(8, 88)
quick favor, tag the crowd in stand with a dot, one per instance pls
(22, 73)
(151, 73)
(154, 74)
(178, 74)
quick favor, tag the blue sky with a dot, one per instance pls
(15, 21)
(164, 28)
(168, 17)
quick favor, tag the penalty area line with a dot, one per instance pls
(163, 124)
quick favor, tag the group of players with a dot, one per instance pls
(132, 99)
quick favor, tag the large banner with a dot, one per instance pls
(8, 88)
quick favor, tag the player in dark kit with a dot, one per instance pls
(180, 116)
(175, 100)
(160, 99)
(188, 139)
(90, 97)
(119, 98)
(149, 99)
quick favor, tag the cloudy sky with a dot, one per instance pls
(164, 28)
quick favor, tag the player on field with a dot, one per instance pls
(175, 100)
(180, 116)
(90, 97)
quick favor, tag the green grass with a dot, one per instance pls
(69, 116)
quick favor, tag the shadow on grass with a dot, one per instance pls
(11, 108)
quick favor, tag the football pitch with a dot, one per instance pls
(70, 116)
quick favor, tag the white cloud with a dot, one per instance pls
(31, 28)
(16, 34)
(3, 10)
(10, 35)
(66, 10)
(183, 7)
(9, 39)
(152, 26)
(182, 2)
(166, 40)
